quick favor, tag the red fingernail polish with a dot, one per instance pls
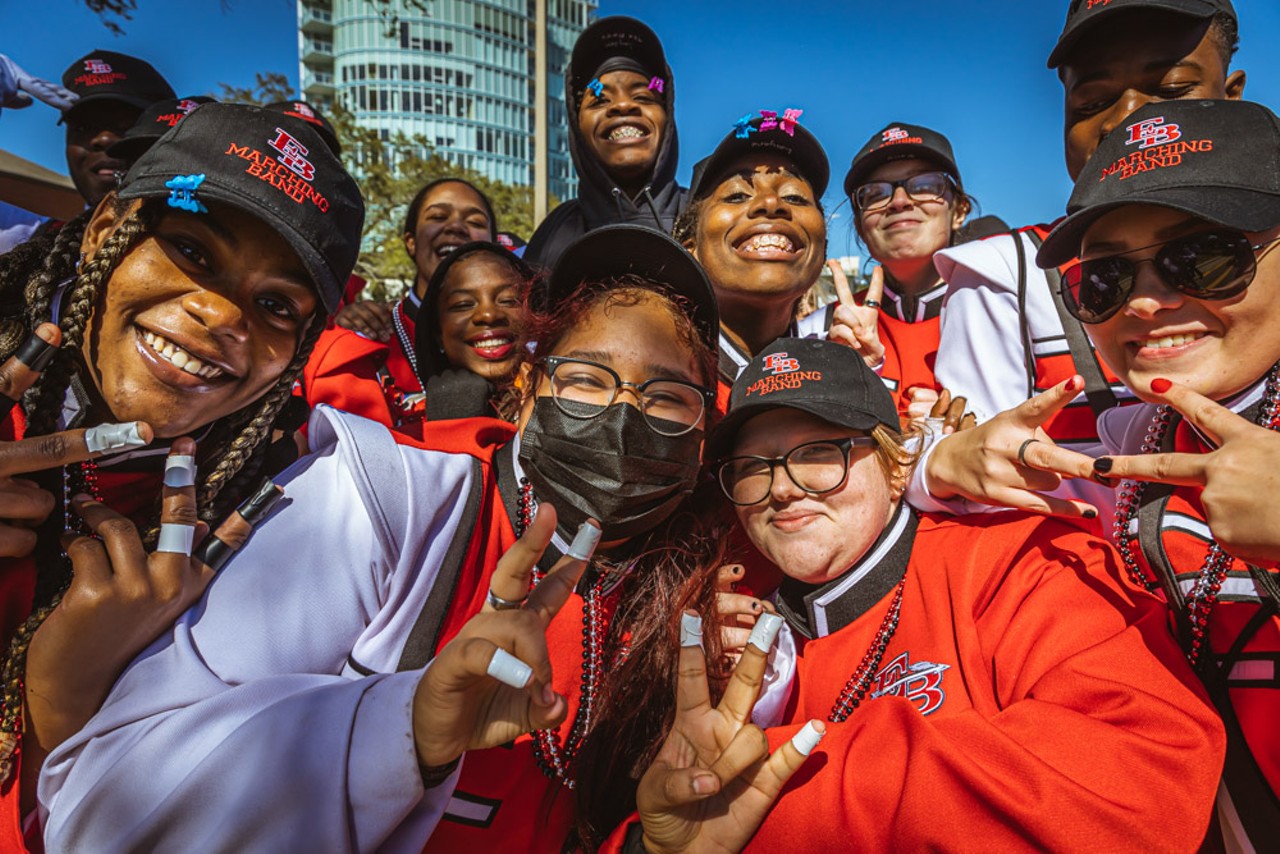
(1074, 384)
(1160, 385)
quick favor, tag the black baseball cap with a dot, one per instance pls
(633, 250)
(781, 134)
(1084, 14)
(153, 123)
(268, 165)
(820, 377)
(305, 112)
(616, 43)
(1218, 160)
(900, 141)
(103, 75)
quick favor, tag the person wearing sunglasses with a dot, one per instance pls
(293, 695)
(1176, 220)
(961, 664)
(909, 203)
(1006, 337)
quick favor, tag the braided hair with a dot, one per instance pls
(230, 456)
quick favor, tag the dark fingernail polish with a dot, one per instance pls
(1090, 514)
(1102, 465)
(1105, 481)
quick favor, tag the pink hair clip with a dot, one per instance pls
(768, 119)
(788, 123)
(657, 84)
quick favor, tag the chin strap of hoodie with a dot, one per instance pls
(648, 200)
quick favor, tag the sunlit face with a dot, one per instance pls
(907, 229)
(451, 214)
(479, 310)
(639, 341)
(198, 321)
(90, 130)
(1217, 347)
(1141, 57)
(813, 538)
(760, 234)
(623, 126)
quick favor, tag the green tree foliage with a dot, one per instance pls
(390, 172)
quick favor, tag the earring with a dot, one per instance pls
(79, 263)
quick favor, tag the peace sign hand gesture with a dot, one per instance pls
(1235, 478)
(714, 780)
(854, 325)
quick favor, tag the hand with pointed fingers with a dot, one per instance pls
(121, 599)
(1236, 478)
(370, 319)
(737, 611)
(17, 87)
(1010, 461)
(854, 325)
(492, 682)
(714, 780)
(922, 400)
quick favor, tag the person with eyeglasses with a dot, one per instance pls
(1006, 337)
(909, 203)
(387, 549)
(993, 681)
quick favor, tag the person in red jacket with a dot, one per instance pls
(186, 305)
(994, 681)
(359, 370)
(909, 202)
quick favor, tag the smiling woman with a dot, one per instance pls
(186, 305)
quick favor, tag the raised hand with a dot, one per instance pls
(17, 88)
(1235, 478)
(1011, 461)
(370, 319)
(492, 682)
(854, 325)
(738, 612)
(714, 780)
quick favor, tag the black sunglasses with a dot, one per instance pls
(1209, 265)
(925, 187)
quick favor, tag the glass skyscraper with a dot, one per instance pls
(458, 72)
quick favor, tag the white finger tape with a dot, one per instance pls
(765, 632)
(806, 739)
(176, 539)
(509, 670)
(180, 470)
(690, 630)
(114, 437)
(584, 542)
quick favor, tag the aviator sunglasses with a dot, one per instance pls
(1210, 265)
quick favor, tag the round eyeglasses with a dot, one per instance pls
(584, 389)
(815, 467)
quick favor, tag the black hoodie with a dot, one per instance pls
(600, 201)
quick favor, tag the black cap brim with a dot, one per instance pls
(132, 147)
(720, 442)
(870, 162)
(136, 101)
(622, 250)
(1071, 36)
(1235, 207)
(616, 36)
(802, 149)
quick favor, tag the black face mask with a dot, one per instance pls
(613, 468)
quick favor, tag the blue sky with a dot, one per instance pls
(973, 70)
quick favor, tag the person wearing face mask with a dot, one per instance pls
(390, 380)
(620, 99)
(994, 681)
(1005, 336)
(387, 548)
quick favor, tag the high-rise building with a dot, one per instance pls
(458, 72)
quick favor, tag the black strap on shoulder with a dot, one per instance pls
(1096, 388)
(1155, 497)
(425, 635)
(1024, 326)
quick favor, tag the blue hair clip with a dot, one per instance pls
(595, 87)
(182, 193)
(743, 125)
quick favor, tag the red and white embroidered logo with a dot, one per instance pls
(779, 363)
(96, 66)
(894, 134)
(186, 105)
(921, 683)
(1152, 132)
(293, 154)
(1093, 3)
(303, 110)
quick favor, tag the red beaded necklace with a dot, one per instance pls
(1204, 593)
(856, 688)
(554, 759)
(78, 478)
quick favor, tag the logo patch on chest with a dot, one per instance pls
(921, 683)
